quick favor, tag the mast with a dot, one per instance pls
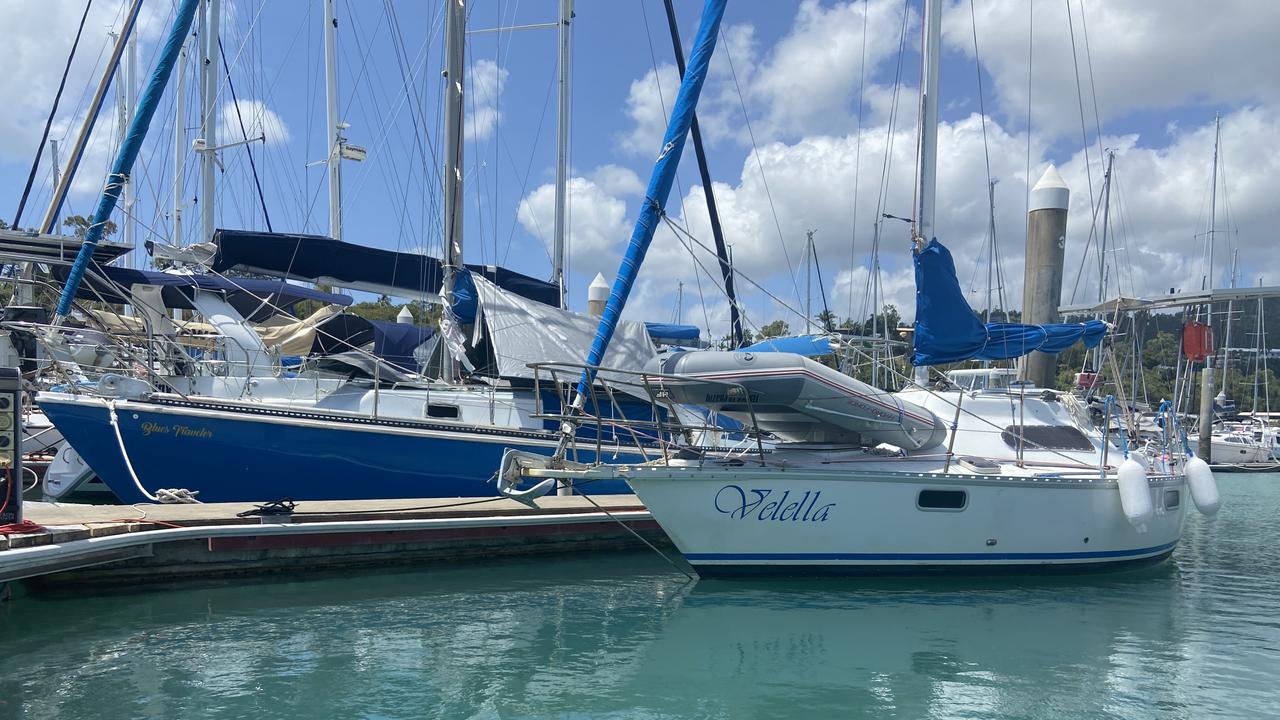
(717, 232)
(991, 249)
(1259, 348)
(1226, 329)
(926, 181)
(1106, 224)
(808, 282)
(57, 168)
(334, 156)
(209, 120)
(128, 153)
(180, 141)
(926, 186)
(455, 37)
(562, 147)
(128, 93)
(1206, 375)
(91, 117)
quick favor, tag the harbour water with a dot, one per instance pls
(623, 636)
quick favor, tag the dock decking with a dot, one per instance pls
(111, 545)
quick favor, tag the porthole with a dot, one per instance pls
(443, 411)
(954, 500)
(1172, 498)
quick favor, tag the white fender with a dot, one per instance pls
(1204, 489)
(1135, 495)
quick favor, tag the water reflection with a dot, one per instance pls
(622, 636)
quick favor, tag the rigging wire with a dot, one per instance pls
(681, 232)
(733, 72)
(872, 296)
(244, 135)
(524, 178)
(48, 123)
(857, 158)
(993, 251)
(1031, 27)
(1093, 87)
(1084, 130)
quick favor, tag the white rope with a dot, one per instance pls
(163, 495)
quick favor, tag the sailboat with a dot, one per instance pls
(380, 433)
(997, 476)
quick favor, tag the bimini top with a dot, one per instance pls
(315, 258)
(254, 298)
(947, 330)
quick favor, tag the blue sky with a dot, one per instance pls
(782, 135)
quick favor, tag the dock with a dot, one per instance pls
(108, 546)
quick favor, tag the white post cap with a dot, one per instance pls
(1050, 193)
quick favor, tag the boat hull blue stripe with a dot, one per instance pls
(929, 569)
(695, 558)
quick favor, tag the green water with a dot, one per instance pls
(621, 636)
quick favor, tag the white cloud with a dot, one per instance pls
(485, 81)
(648, 102)
(1144, 56)
(1159, 205)
(597, 223)
(617, 180)
(38, 39)
(259, 121)
(809, 82)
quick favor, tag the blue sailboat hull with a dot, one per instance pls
(261, 454)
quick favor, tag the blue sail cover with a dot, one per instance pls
(254, 298)
(806, 345)
(947, 330)
(316, 258)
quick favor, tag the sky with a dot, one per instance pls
(809, 115)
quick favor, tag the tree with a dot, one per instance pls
(827, 320)
(747, 339)
(384, 309)
(81, 225)
(777, 328)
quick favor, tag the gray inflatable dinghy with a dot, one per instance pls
(797, 399)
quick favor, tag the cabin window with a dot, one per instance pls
(1172, 498)
(1047, 437)
(942, 500)
(449, 412)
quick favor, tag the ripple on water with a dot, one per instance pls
(620, 636)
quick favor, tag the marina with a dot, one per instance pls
(606, 634)
(432, 362)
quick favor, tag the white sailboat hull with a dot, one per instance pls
(799, 521)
